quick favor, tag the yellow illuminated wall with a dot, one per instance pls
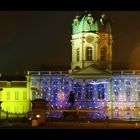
(15, 99)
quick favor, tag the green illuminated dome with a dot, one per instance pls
(90, 23)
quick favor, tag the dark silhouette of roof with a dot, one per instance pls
(12, 78)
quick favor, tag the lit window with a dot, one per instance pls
(128, 90)
(23, 109)
(128, 83)
(139, 96)
(89, 91)
(101, 91)
(77, 90)
(128, 93)
(16, 109)
(116, 89)
(8, 83)
(128, 97)
(33, 82)
(78, 54)
(24, 95)
(55, 83)
(45, 91)
(44, 82)
(8, 108)
(33, 95)
(103, 53)
(8, 95)
(89, 53)
(0, 95)
(116, 93)
(116, 82)
(138, 82)
(16, 95)
(66, 83)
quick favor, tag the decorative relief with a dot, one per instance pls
(102, 43)
(89, 38)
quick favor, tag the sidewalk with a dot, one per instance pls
(95, 125)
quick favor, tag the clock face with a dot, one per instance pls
(89, 39)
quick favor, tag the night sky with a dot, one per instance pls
(31, 39)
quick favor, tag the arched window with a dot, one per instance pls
(89, 53)
(103, 53)
(89, 91)
(101, 91)
(116, 91)
(77, 90)
(78, 54)
(128, 93)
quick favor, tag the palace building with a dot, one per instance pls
(91, 78)
(96, 86)
(14, 95)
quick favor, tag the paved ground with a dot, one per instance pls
(82, 125)
(91, 125)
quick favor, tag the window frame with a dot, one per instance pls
(89, 53)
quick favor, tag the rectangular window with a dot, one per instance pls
(102, 54)
(8, 83)
(0, 95)
(23, 109)
(15, 109)
(8, 95)
(33, 95)
(44, 83)
(139, 96)
(33, 82)
(116, 93)
(89, 53)
(128, 82)
(138, 82)
(128, 96)
(8, 108)
(128, 99)
(101, 95)
(78, 54)
(16, 95)
(24, 95)
(116, 82)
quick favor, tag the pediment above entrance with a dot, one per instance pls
(90, 72)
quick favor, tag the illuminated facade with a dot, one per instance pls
(53, 86)
(91, 78)
(14, 95)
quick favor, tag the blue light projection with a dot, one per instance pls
(91, 94)
(56, 88)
